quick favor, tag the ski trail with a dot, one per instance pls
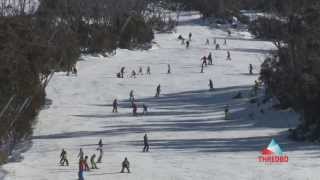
(189, 138)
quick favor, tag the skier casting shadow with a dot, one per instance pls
(146, 143)
(158, 91)
(63, 158)
(125, 165)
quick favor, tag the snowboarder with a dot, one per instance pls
(211, 85)
(133, 74)
(207, 42)
(169, 69)
(93, 163)
(134, 109)
(125, 165)
(115, 106)
(250, 69)
(122, 71)
(226, 112)
(158, 91)
(146, 143)
(81, 154)
(100, 154)
(190, 36)
(100, 144)
(187, 44)
(204, 60)
(86, 166)
(145, 109)
(228, 56)
(63, 158)
(148, 70)
(140, 71)
(131, 96)
(210, 58)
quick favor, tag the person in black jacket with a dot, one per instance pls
(146, 143)
(125, 165)
(115, 106)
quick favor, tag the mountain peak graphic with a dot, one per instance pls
(273, 148)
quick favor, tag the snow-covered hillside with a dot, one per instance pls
(189, 138)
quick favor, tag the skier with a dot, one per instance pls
(215, 41)
(250, 69)
(190, 36)
(169, 69)
(217, 46)
(207, 42)
(180, 37)
(187, 44)
(125, 165)
(133, 74)
(228, 56)
(204, 60)
(131, 96)
(148, 70)
(86, 166)
(226, 112)
(210, 58)
(225, 42)
(140, 70)
(134, 109)
(115, 106)
(145, 109)
(100, 154)
(158, 91)
(146, 143)
(211, 85)
(122, 71)
(93, 163)
(81, 154)
(100, 144)
(63, 158)
(81, 169)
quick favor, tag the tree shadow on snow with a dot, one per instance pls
(199, 111)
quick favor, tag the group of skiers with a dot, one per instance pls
(83, 159)
(183, 40)
(133, 72)
(205, 61)
(133, 102)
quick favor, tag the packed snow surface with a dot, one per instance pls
(189, 137)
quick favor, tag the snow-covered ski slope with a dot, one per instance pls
(189, 138)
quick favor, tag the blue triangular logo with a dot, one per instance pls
(275, 148)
